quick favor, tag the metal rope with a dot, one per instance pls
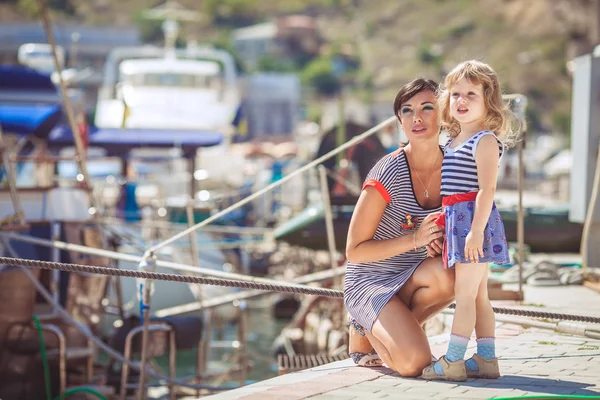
(98, 342)
(284, 288)
(541, 314)
(132, 258)
(273, 185)
(170, 277)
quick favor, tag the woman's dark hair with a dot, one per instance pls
(411, 89)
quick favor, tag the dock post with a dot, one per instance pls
(328, 216)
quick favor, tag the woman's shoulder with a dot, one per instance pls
(391, 160)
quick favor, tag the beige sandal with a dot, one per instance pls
(488, 369)
(453, 371)
(370, 359)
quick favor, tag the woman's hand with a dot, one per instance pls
(435, 248)
(474, 246)
(428, 231)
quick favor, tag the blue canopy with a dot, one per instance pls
(25, 108)
(25, 118)
(19, 77)
(118, 142)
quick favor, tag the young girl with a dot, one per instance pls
(477, 119)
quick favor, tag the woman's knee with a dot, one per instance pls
(412, 364)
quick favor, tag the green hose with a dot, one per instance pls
(44, 358)
(544, 397)
(47, 370)
(80, 390)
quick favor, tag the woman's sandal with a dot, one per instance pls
(370, 359)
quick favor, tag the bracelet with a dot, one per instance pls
(415, 240)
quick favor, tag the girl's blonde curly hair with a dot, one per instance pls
(499, 119)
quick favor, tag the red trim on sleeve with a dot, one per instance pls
(380, 188)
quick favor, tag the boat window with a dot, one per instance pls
(174, 80)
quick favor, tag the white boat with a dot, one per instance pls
(185, 89)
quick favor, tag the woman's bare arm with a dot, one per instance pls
(361, 247)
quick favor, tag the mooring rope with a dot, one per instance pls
(93, 269)
(542, 314)
(284, 288)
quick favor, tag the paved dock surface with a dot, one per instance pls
(533, 362)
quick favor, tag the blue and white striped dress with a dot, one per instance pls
(459, 176)
(368, 287)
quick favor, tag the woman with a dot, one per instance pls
(393, 281)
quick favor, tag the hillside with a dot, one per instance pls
(527, 42)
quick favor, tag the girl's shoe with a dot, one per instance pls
(453, 371)
(370, 359)
(488, 369)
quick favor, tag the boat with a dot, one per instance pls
(176, 90)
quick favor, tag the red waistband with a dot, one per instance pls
(458, 198)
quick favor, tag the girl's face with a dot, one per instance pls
(466, 103)
(419, 116)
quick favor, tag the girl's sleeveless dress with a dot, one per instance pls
(459, 176)
(368, 287)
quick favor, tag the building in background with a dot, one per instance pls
(288, 37)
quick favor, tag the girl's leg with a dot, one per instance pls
(467, 283)
(484, 364)
(485, 326)
(399, 339)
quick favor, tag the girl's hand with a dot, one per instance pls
(435, 248)
(474, 246)
(428, 231)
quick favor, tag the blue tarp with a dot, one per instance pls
(24, 118)
(27, 116)
(18, 77)
(118, 142)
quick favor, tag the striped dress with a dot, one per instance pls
(368, 287)
(459, 176)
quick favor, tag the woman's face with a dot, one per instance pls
(419, 116)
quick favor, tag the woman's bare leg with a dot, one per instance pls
(428, 291)
(399, 339)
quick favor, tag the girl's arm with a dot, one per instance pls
(487, 159)
(361, 247)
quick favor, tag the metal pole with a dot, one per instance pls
(328, 216)
(521, 218)
(521, 211)
(55, 235)
(145, 288)
(193, 243)
(193, 240)
(243, 348)
(67, 104)
(520, 102)
(10, 177)
(589, 220)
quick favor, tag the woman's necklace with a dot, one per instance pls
(426, 193)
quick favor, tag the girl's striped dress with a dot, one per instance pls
(459, 179)
(368, 287)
